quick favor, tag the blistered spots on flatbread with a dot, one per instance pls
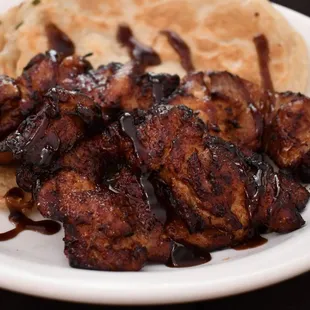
(168, 14)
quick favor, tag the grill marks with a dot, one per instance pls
(127, 124)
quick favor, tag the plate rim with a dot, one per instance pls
(178, 286)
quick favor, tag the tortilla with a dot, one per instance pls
(219, 33)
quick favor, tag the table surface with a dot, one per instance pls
(289, 295)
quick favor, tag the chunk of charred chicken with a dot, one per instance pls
(65, 118)
(287, 135)
(105, 229)
(228, 105)
(24, 96)
(276, 199)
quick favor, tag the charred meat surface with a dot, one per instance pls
(228, 106)
(24, 96)
(106, 228)
(205, 195)
(65, 119)
(287, 137)
(276, 199)
(129, 88)
(240, 112)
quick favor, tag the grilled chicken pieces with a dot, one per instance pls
(21, 97)
(187, 147)
(234, 109)
(215, 196)
(111, 87)
(242, 113)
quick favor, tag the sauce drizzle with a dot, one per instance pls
(128, 127)
(15, 200)
(251, 244)
(262, 48)
(143, 54)
(181, 48)
(182, 256)
(58, 40)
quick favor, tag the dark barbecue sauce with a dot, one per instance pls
(182, 256)
(143, 54)
(251, 244)
(52, 143)
(181, 48)
(128, 127)
(262, 48)
(163, 85)
(39, 147)
(58, 40)
(15, 201)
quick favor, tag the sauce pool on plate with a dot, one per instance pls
(15, 201)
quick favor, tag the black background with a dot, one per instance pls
(290, 295)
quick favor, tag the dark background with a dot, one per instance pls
(290, 295)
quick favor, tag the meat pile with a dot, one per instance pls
(132, 162)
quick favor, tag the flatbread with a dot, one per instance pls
(219, 34)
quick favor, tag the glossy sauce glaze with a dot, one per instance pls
(58, 40)
(15, 201)
(41, 145)
(162, 87)
(251, 244)
(139, 52)
(128, 127)
(182, 256)
(181, 48)
(262, 48)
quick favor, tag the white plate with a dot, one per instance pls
(35, 264)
